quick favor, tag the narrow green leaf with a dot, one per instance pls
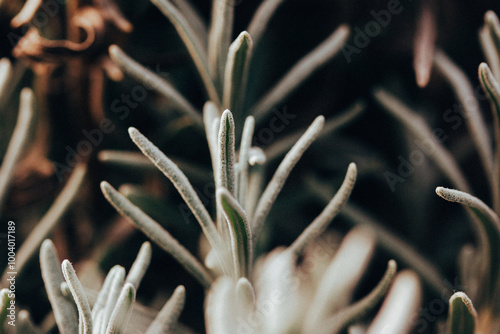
(488, 229)
(461, 315)
(402, 303)
(492, 89)
(419, 129)
(121, 312)
(242, 170)
(236, 72)
(319, 224)
(226, 158)
(473, 117)
(85, 315)
(64, 311)
(197, 23)
(167, 318)
(153, 81)
(192, 43)
(140, 265)
(239, 228)
(18, 141)
(300, 72)
(49, 221)
(186, 190)
(157, 234)
(357, 311)
(261, 18)
(225, 173)
(113, 294)
(102, 296)
(278, 180)
(219, 37)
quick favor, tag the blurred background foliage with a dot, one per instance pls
(74, 94)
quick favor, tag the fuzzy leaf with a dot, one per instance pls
(167, 318)
(309, 64)
(239, 228)
(361, 308)
(278, 180)
(461, 315)
(319, 224)
(18, 141)
(156, 233)
(140, 265)
(397, 247)
(112, 295)
(473, 117)
(261, 18)
(236, 72)
(102, 296)
(49, 221)
(219, 36)
(64, 310)
(192, 43)
(221, 307)
(245, 291)
(489, 235)
(211, 117)
(396, 316)
(418, 127)
(346, 270)
(242, 171)
(153, 81)
(490, 50)
(82, 303)
(490, 41)
(122, 309)
(186, 190)
(492, 89)
(193, 18)
(227, 160)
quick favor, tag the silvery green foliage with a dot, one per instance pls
(77, 311)
(272, 293)
(223, 64)
(479, 264)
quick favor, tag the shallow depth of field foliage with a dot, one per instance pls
(248, 167)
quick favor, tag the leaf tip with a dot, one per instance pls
(133, 132)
